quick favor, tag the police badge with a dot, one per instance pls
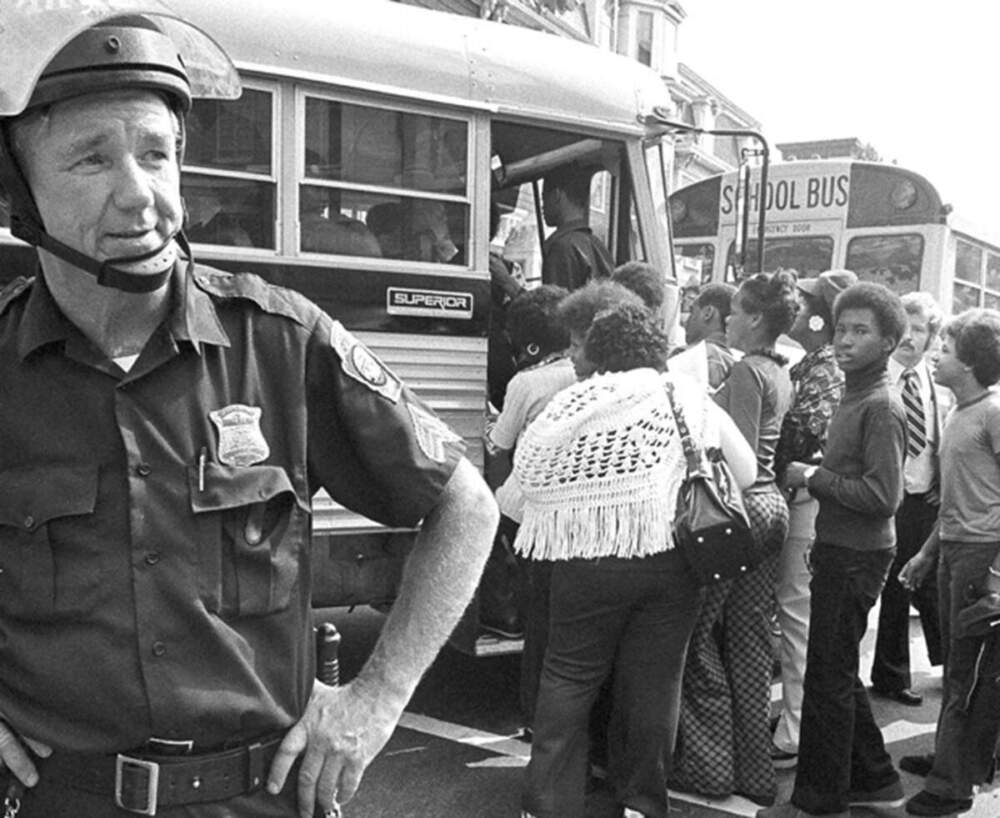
(241, 442)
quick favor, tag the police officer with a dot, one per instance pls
(163, 427)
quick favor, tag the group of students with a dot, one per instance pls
(680, 675)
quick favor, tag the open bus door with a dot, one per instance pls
(521, 157)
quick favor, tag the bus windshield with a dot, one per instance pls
(807, 255)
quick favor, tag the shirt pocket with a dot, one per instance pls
(49, 567)
(253, 525)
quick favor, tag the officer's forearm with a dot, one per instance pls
(440, 578)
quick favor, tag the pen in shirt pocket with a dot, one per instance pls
(201, 468)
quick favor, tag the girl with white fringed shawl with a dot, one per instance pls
(600, 469)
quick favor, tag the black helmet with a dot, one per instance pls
(124, 52)
(60, 52)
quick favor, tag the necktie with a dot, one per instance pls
(916, 421)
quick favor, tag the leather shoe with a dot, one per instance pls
(927, 803)
(917, 765)
(903, 696)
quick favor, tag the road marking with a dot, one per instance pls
(903, 730)
(502, 745)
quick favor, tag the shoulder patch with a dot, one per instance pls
(251, 287)
(9, 294)
(432, 433)
(361, 364)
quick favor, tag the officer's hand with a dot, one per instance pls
(14, 756)
(912, 575)
(341, 731)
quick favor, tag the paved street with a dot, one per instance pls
(456, 754)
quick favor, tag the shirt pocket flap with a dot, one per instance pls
(35, 496)
(214, 487)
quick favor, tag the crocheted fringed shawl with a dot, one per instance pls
(600, 469)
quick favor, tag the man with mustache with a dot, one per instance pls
(926, 405)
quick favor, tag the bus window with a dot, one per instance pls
(964, 297)
(894, 260)
(229, 183)
(993, 271)
(807, 255)
(364, 171)
(968, 262)
(968, 268)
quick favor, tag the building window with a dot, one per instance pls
(644, 37)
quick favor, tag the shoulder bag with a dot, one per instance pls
(711, 527)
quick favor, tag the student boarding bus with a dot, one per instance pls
(359, 167)
(885, 223)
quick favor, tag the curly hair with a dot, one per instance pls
(577, 310)
(883, 302)
(773, 296)
(644, 280)
(717, 294)
(976, 334)
(531, 319)
(625, 337)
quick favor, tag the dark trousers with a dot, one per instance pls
(968, 726)
(891, 667)
(632, 617)
(841, 747)
(536, 577)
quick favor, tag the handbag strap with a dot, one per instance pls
(691, 452)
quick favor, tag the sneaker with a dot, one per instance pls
(891, 795)
(783, 760)
(917, 765)
(789, 810)
(628, 812)
(927, 803)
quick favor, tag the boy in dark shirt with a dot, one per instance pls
(859, 486)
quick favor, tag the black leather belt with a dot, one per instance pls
(140, 782)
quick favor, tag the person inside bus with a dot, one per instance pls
(859, 484)
(540, 341)
(965, 548)
(926, 405)
(501, 355)
(385, 220)
(572, 255)
(326, 230)
(172, 423)
(707, 323)
(599, 470)
(724, 743)
(819, 384)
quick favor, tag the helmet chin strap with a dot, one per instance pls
(143, 273)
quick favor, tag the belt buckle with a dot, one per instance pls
(130, 765)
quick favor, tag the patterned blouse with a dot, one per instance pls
(819, 386)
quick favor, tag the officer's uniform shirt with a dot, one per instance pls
(154, 524)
